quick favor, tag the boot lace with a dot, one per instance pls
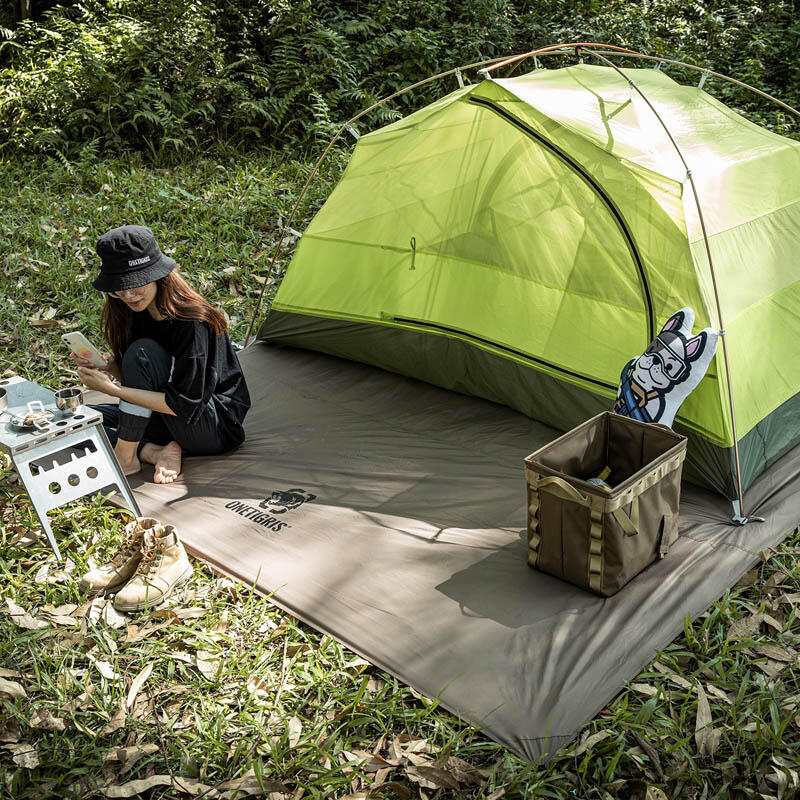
(151, 558)
(126, 549)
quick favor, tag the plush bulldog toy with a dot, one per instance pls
(653, 385)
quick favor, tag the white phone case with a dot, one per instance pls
(82, 347)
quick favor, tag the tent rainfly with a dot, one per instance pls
(521, 239)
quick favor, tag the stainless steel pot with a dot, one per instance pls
(69, 400)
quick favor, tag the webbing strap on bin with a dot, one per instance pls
(596, 542)
(534, 538)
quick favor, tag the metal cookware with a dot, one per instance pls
(37, 418)
(69, 400)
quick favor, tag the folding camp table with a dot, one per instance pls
(67, 459)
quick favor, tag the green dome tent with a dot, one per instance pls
(521, 239)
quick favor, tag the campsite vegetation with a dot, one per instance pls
(203, 120)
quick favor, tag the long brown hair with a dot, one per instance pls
(175, 299)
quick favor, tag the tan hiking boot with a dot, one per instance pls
(123, 563)
(164, 566)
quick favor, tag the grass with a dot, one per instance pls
(236, 695)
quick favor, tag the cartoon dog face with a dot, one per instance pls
(281, 502)
(666, 361)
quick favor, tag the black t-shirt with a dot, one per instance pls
(206, 371)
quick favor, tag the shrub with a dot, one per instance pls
(168, 78)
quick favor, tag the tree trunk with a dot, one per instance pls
(22, 10)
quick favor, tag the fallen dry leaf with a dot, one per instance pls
(718, 693)
(195, 612)
(774, 580)
(105, 669)
(464, 772)
(128, 756)
(749, 578)
(672, 675)
(771, 668)
(590, 741)
(137, 684)
(207, 665)
(645, 689)
(21, 618)
(706, 736)
(295, 727)
(24, 537)
(776, 653)
(746, 627)
(257, 685)
(435, 776)
(95, 610)
(10, 673)
(371, 762)
(404, 744)
(45, 721)
(112, 617)
(222, 624)
(654, 793)
(248, 784)
(132, 788)
(11, 688)
(64, 610)
(10, 730)
(25, 755)
(115, 723)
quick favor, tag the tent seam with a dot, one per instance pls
(496, 267)
(743, 223)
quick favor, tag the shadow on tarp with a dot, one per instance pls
(411, 552)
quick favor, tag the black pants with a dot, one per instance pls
(147, 365)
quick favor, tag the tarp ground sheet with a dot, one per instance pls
(412, 550)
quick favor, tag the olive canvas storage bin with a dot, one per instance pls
(594, 537)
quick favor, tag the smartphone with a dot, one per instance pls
(82, 347)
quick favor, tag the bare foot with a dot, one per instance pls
(127, 457)
(130, 466)
(167, 460)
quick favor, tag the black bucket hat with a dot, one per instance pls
(130, 257)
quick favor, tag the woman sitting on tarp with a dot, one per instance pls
(180, 386)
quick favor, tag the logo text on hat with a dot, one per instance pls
(136, 261)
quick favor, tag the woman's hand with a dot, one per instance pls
(84, 362)
(96, 379)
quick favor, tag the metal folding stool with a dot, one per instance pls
(70, 459)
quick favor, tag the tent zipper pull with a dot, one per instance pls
(413, 244)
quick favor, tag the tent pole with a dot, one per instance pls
(742, 519)
(621, 51)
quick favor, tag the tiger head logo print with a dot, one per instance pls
(279, 502)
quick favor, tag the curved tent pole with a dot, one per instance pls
(621, 51)
(455, 71)
(740, 512)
